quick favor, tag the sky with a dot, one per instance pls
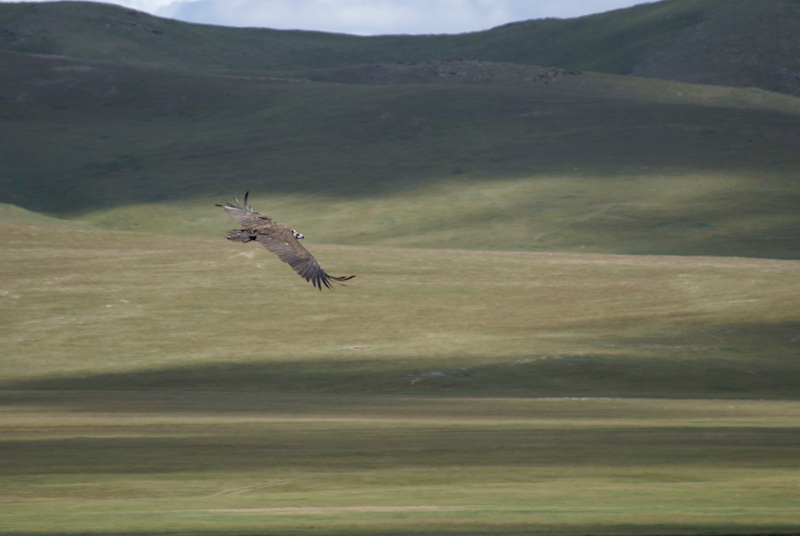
(371, 17)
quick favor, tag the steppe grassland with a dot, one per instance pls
(168, 383)
(88, 303)
(239, 462)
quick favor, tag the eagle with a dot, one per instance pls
(280, 239)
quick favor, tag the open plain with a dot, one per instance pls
(575, 310)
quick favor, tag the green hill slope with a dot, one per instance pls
(135, 122)
(89, 308)
(455, 154)
(727, 42)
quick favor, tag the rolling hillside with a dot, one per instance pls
(559, 323)
(129, 121)
(410, 155)
(725, 42)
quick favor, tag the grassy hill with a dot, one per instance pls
(135, 122)
(559, 324)
(725, 42)
(443, 153)
(77, 301)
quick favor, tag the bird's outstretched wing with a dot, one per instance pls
(290, 251)
(244, 215)
(280, 239)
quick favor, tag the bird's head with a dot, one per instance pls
(297, 235)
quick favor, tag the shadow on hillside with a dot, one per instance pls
(727, 375)
(162, 137)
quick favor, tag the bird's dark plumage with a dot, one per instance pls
(280, 239)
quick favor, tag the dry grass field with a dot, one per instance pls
(172, 384)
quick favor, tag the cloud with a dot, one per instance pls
(572, 8)
(364, 17)
(371, 17)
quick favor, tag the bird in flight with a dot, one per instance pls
(280, 239)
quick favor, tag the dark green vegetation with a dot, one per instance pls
(508, 360)
(467, 154)
(729, 42)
